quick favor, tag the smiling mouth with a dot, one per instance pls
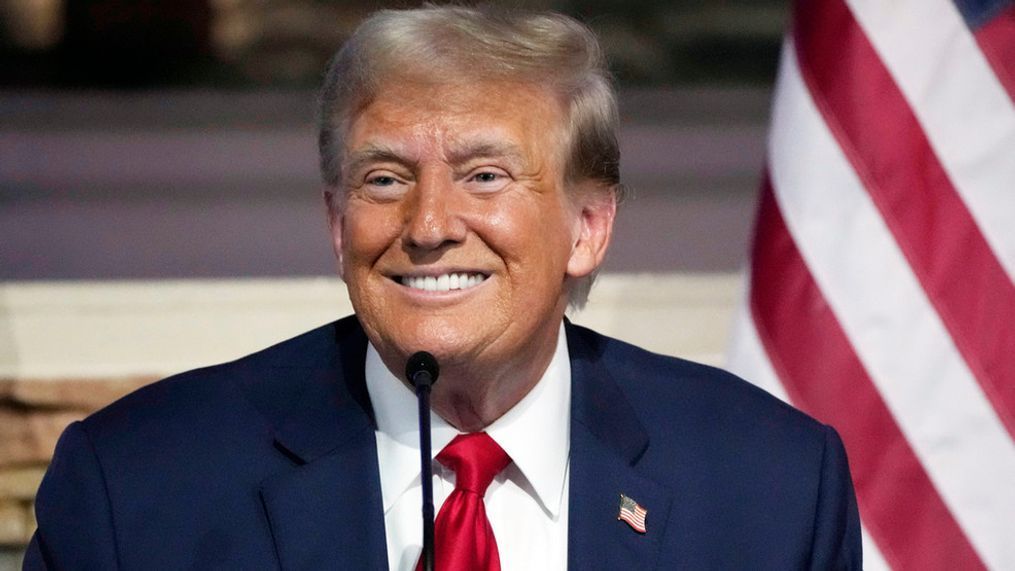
(443, 282)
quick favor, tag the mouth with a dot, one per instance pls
(443, 282)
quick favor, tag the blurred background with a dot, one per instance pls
(159, 194)
(146, 139)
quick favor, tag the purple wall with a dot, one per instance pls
(212, 184)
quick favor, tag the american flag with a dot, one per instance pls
(881, 295)
(632, 513)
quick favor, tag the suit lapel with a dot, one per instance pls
(327, 512)
(607, 440)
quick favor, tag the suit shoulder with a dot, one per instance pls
(206, 391)
(734, 455)
(661, 384)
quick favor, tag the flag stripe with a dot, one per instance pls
(898, 336)
(887, 147)
(893, 488)
(997, 40)
(748, 359)
(969, 119)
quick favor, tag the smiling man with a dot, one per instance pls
(472, 178)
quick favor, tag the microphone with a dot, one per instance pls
(422, 370)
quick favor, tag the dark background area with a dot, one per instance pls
(144, 139)
(143, 44)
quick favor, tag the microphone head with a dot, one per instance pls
(422, 362)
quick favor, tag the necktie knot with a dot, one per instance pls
(476, 459)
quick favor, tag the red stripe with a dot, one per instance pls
(823, 376)
(883, 140)
(997, 40)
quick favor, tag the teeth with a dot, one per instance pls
(443, 282)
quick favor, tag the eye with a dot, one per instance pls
(486, 177)
(383, 185)
(381, 180)
(487, 180)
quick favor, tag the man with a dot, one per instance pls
(471, 172)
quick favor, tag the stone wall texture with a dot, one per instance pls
(33, 414)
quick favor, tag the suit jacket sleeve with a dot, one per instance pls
(837, 521)
(75, 523)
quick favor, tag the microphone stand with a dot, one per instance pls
(422, 371)
(426, 472)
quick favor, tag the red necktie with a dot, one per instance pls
(463, 538)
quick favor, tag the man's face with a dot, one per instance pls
(454, 230)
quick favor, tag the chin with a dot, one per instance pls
(406, 334)
(446, 339)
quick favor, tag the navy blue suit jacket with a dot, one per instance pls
(270, 462)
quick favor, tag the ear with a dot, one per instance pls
(333, 206)
(596, 209)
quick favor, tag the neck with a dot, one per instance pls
(472, 396)
(474, 392)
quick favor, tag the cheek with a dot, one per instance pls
(367, 233)
(535, 238)
(508, 230)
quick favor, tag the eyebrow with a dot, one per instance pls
(456, 156)
(481, 149)
(375, 154)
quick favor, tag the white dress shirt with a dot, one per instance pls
(527, 501)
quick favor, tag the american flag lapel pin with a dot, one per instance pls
(632, 513)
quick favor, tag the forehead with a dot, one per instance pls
(421, 116)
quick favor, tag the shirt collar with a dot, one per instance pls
(543, 415)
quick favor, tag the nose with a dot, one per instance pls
(433, 217)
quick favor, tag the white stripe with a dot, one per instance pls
(872, 558)
(966, 113)
(748, 358)
(937, 402)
